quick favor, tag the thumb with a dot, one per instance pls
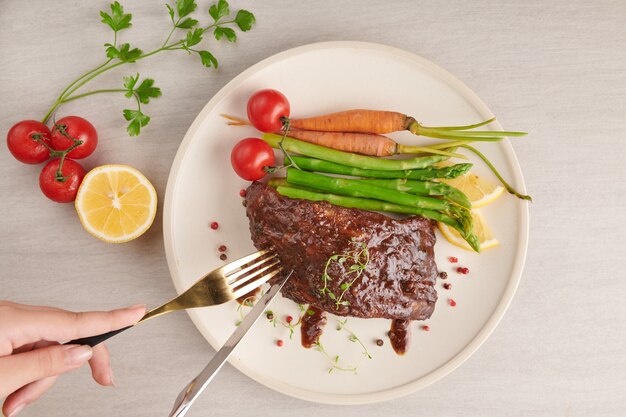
(27, 367)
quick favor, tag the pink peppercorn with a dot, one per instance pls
(426, 328)
(452, 302)
(279, 343)
(242, 193)
(289, 319)
(222, 248)
(214, 225)
(453, 259)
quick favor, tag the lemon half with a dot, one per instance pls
(116, 203)
(478, 190)
(481, 230)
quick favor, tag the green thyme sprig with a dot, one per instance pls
(118, 54)
(341, 325)
(358, 261)
(333, 360)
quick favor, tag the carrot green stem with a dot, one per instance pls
(467, 127)
(459, 132)
(508, 187)
(407, 149)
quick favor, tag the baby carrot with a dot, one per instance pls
(381, 122)
(363, 143)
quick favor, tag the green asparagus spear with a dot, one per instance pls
(312, 164)
(361, 203)
(355, 188)
(424, 188)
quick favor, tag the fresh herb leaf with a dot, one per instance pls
(129, 84)
(185, 7)
(310, 312)
(219, 10)
(230, 34)
(170, 11)
(244, 20)
(137, 120)
(193, 38)
(187, 23)
(147, 90)
(208, 60)
(124, 53)
(117, 20)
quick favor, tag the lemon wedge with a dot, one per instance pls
(478, 190)
(481, 230)
(116, 203)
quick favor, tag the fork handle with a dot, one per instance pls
(96, 340)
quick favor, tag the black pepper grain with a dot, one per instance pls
(380, 342)
(223, 257)
(443, 275)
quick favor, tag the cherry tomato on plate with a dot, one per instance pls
(23, 144)
(61, 191)
(267, 110)
(79, 129)
(250, 156)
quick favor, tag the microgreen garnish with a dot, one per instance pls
(357, 261)
(247, 302)
(118, 54)
(333, 360)
(341, 325)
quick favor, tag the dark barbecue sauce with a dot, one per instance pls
(399, 335)
(312, 326)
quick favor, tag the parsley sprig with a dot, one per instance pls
(119, 54)
(357, 260)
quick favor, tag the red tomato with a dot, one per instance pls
(79, 129)
(267, 109)
(250, 156)
(22, 145)
(61, 191)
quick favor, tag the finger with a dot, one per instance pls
(26, 306)
(31, 346)
(28, 326)
(26, 395)
(101, 366)
(24, 368)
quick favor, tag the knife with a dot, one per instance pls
(189, 394)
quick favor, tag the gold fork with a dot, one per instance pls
(223, 284)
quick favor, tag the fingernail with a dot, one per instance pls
(111, 378)
(136, 306)
(78, 355)
(16, 410)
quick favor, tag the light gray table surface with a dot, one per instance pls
(554, 68)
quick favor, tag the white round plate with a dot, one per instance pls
(202, 188)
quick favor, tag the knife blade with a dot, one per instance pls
(189, 394)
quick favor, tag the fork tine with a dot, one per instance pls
(228, 268)
(256, 283)
(253, 274)
(235, 276)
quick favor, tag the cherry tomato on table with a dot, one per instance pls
(79, 129)
(23, 144)
(61, 191)
(267, 109)
(250, 156)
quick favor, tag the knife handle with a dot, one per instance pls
(96, 340)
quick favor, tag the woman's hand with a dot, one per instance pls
(31, 356)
